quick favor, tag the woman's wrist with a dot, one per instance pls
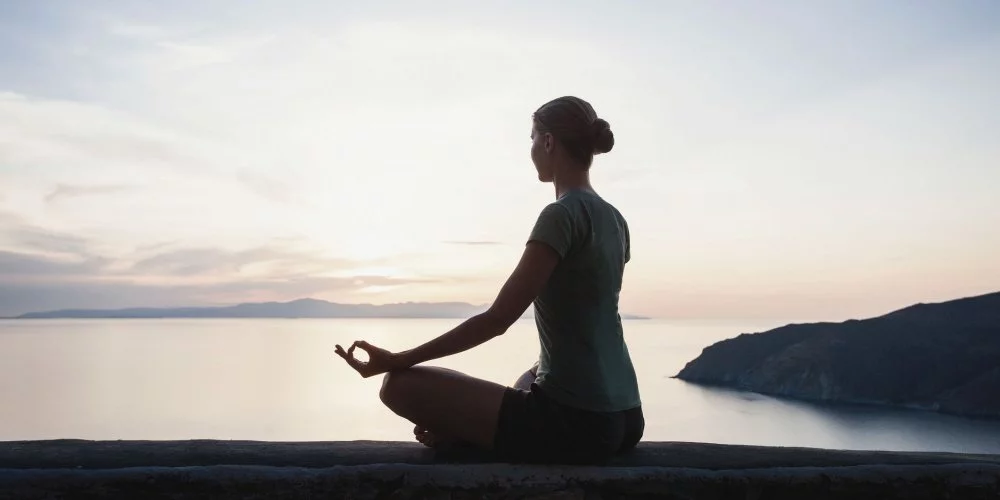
(405, 359)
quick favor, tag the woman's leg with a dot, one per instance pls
(437, 439)
(445, 402)
(635, 425)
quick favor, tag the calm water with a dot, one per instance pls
(280, 380)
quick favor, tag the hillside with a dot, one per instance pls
(943, 357)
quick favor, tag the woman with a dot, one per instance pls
(580, 403)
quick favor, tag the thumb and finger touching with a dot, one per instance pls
(359, 365)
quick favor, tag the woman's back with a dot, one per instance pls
(584, 361)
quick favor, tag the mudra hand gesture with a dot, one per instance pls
(379, 360)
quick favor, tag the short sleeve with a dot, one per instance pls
(554, 227)
(628, 242)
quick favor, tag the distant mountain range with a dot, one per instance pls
(302, 308)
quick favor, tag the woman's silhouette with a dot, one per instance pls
(580, 402)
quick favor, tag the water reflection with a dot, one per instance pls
(279, 380)
(848, 426)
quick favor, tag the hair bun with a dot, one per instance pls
(604, 139)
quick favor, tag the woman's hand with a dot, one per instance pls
(379, 360)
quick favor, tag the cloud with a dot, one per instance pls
(20, 297)
(61, 133)
(473, 242)
(138, 31)
(213, 262)
(187, 262)
(150, 247)
(74, 191)
(192, 54)
(30, 253)
(266, 186)
(91, 149)
(36, 239)
(42, 269)
(14, 265)
(9, 218)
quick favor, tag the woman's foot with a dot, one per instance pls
(432, 440)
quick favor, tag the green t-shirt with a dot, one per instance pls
(584, 362)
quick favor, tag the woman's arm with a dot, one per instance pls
(524, 284)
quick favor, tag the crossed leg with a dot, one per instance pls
(447, 406)
(447, 403)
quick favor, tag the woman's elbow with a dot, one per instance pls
(497, 322)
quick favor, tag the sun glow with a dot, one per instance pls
(369, 272)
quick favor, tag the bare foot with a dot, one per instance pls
(431, 440)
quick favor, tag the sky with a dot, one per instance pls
(796, 161)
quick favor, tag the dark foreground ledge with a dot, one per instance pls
(365, 469)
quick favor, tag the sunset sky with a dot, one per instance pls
(774, 159)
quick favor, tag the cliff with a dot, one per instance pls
(943, 357)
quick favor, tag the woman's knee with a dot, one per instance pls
(396, 386)
(635, 426)
(390, 391)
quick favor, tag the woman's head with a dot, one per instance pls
(567, 130)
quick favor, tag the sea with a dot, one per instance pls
(280, 380)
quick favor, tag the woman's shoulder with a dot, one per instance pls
(589, 199)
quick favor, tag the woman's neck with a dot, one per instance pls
(572, 180)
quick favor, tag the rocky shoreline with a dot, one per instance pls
(941, 357)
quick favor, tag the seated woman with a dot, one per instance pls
(580, 403)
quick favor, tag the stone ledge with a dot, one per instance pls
(74, 453)
(360, 469)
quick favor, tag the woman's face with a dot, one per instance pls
(541, 148)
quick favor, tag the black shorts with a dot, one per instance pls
(533, 428)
